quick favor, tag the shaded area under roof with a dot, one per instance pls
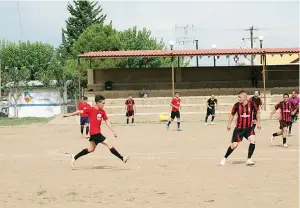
(202, 52)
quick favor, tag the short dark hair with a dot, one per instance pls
(99, 98)
(130, 95)
(176, 93)
(295, 91)
(85, 98)
(242, 91)
(285, 94)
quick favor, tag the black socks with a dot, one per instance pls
(82, 153)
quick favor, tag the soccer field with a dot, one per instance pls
(167, 168)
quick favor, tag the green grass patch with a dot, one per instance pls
(23, 121)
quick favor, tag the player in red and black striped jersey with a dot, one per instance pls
(257, 100)
(244, 110)
(287, 109)
(130, 109)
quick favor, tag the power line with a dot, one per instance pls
(20, 22)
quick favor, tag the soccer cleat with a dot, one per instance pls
(179, 129)
(223, 161)
(289, 134)
(285, 145)
(272, 138)
(205, 124)
(211, 123)
(133, 124)
(72, 161)
(125, 159)
(249, 162)
(167, 126)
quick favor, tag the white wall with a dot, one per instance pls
(37, 103)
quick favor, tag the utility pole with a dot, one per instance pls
(184, 36)
(197, 56)
(251, 38)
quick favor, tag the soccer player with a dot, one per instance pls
(211, 109)
(175, 104)
(96, 115)
(244, 110)
(287, 109)
(84, 121)
(257, 100)
(130, 109)
(296, 101)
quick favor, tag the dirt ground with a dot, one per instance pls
(167, 168)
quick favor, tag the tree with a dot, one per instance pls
(33, 56)
(134, 39)
(83, 14)
(98, 37)
(16, 79)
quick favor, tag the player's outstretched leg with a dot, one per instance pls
(230, 149)
(275, 135)
(116, 153)
(83, 152)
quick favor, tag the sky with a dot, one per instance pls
(222, 23)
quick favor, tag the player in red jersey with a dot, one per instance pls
(287, 109)
(96, 115)
(84, 120)
(244, 121)
(130, 109)
(175, 104)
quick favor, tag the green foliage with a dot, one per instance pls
(99, 37)
(83, 14)
(32, 56)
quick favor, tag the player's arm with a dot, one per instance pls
(207, 104)
(231, 116)
(257, 110)
(274, 110)
(294, 109)
(108, 124)
(260, 104)
(76, 113)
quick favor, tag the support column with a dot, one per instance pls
(90, 74)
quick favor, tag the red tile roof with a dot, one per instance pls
(202, 52)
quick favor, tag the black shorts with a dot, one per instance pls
(175, 114)
(239, 134)
(129, 113)
(254, 116)
(97, 138)
(283, 124)
(210, 112)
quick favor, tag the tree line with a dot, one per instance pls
(85, 31)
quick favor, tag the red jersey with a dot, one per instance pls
(244, 114)
(95, 117)
(285, 110)
(129, 103)
(176, 102)
(83, 106)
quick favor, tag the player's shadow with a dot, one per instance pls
(276, 145)
(237, 162)
(100, 167)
